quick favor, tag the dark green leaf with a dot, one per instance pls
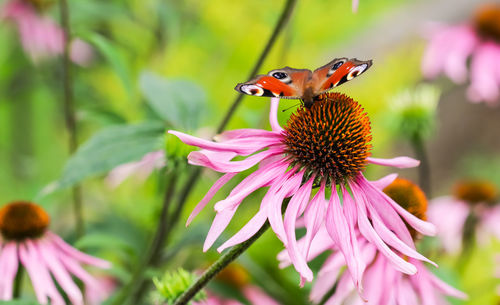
(179, 102)
(109, 148)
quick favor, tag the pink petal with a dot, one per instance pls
(209, 195)
(421, 226)
(399, 162)
(254, 181)
(219, 223)
(485, 81)
(245, 146)
(244, 133)
(200, 159)
(355, 4)
(49, 255)
(370, 234)
(339, 229)
(273, 115)
(314, 217)
(80, 256)
(291, 214)
(382, 183)
(256, 296)
(344, 288)
(289, 186)
(9, 265)
(327, 276)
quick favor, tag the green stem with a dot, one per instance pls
(18, 282)
(136, 286)
(468, 242)
(218, 266)
(424, 170)
(69, 110)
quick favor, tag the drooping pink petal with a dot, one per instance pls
(244, 146)
(254, 181)
(273, 115)
(328, 275)
(209, 195)
(8, 259)
(383, 182)
(289, 186)
(355, 4)
(421, 226)
(48, 253)
(291, 214)
(399, 162)
(219, 224)
(314, 217)
(244, 133)
(39, 274)
(340, 232)
(344, 288)
(370, 234)
(200, 159)
(79, 256)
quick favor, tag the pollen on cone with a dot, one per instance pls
(330, 139)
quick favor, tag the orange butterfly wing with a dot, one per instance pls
(284, 83)
(337, 72)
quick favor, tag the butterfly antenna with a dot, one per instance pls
(284, 110)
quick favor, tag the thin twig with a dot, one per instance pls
(69, 110)
(218, 266)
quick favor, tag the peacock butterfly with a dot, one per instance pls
(304, 84)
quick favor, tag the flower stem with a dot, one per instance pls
(218, 266)
(424, 170)
(18, 282)
(69, 110)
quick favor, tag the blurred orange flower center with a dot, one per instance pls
(21, 219)
(487, 21)
(408, 195)
(331, 139)
(476, 191)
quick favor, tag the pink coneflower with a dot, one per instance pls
(25, 241)
(326, 146)
(40, 36)
(473, 200)
(141, 169)
(450, 47)
(384, 285)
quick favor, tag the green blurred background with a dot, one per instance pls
(214, 44)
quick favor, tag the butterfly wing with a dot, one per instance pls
(337, 72)
(284, 83)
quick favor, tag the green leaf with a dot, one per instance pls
(114, 57)
(109, 148)
(179, 102)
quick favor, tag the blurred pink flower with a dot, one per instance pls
(398, 288)
(97, 294)
(471, 199)
(40, 36)
(292, 161)
(45, 256)
(141, 169)
(383, 284)
(450, 47)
